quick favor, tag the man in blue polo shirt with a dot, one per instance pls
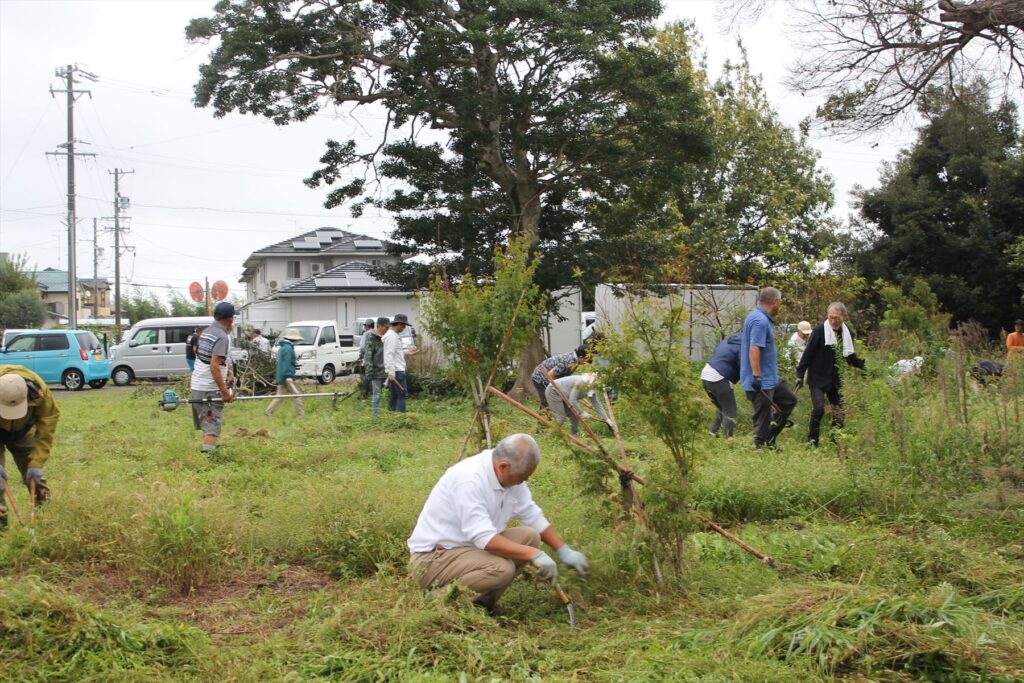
(759, 370)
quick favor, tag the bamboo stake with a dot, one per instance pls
(494, 371)
(484, 417)
(32, 501)
(14, 504)
(579, 418)
(629, 487)
(539, 418)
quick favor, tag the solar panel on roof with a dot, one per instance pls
(334, 280)
(305, 246)
(360, 279)
(367, 244)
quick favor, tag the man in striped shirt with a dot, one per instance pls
(213, 376)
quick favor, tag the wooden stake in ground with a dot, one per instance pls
(32, 501)
(14, 504)
(629, 485)
(539, 418)
(482, 404)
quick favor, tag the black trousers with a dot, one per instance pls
(767, 422)
(818, 398)
(541, 388)
(721, 396)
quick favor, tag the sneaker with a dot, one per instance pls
(207, 448)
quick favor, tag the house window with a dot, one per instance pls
(263, 273)
(375, 262)
(294, 269)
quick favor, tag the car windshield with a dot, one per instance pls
(308, 332)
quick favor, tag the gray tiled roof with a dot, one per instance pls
(348, 277)
(321, 241)
(55, 281)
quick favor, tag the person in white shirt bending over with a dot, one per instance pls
(394, 363)
(462, 533)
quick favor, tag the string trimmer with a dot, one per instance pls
(171, 400)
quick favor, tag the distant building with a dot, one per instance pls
(53, 287)
(273, 268)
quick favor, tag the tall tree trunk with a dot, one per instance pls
(532, 356)
(528, 224)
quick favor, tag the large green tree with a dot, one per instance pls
(21, 306)
(949, 208)
(502, 117)
(758, 206)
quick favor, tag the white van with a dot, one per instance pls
(154, 348)
(321, 354)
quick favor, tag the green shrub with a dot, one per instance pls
(179, 550)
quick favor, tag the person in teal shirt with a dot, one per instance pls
(284, 377)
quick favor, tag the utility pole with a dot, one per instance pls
(119, 201)
(68, 74)
(95, 271)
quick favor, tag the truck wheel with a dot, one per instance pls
(326, 375)
(122, 375)
(73, 379)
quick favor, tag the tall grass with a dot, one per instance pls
(282, 557)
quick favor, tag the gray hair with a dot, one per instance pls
(769, 295)
(518, 450)
(838, 306)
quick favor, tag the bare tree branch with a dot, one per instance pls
(873, 59)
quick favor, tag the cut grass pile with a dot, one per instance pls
(282, 557)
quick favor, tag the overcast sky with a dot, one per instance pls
(206, 192)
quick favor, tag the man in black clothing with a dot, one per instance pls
(191, 344)
(828, 342)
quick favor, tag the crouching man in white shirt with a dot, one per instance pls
(462, 532)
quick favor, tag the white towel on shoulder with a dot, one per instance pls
(830, 339)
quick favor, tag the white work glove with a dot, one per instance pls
(546, 567)
(573, 558)
(391, 377)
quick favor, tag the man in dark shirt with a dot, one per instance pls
(829, 340)
(191, 344)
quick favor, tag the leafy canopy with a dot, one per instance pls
(948, 210)
(469, 317)
(501, 117)
(758, 205)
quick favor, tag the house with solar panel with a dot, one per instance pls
(320, 275)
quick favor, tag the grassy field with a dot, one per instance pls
(282, 556)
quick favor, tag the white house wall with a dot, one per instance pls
(274, 315)
(714, 312)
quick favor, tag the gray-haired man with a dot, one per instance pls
(462, 533)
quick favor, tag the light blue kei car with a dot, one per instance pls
(73, 358)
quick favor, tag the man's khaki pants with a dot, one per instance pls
(480, 571)
(284, 390)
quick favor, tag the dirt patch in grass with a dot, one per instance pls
(253, 603)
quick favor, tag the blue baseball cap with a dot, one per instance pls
(224, 310)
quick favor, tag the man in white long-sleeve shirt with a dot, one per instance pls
(394, 363)
(462, 533)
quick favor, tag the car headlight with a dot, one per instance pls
(306, 355)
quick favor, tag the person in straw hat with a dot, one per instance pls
(284, 377)
(28, 421)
